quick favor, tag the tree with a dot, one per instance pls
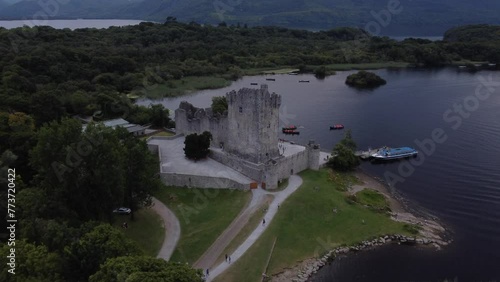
(95, 247)
(81, 171)
(219, 105)
(33, 263)
(143, 268)
(197, 146)
(159, 115)
(344, 158)
(364, 79)
(141, 173)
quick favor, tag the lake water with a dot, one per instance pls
(71, 24)
(459, 182)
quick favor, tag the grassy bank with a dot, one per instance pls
(367, 66)
(159, 134)
(146, 230)
(186, 85)
(306, 226)
(203, 214)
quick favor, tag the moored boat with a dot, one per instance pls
(387, 153)
(337, 126)
(291, 127)
(291, 131)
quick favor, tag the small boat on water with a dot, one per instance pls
(337, 126)
(254, 83)
(271, 79)
(291, 127)
(304, 81)
(386, 153)
(291, 131)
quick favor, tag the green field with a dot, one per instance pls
(159, 134)
(306, 226)
(373, 199)
(146, 230)
(186, 85)
(203, 214)
(368, 66)
(253, 222)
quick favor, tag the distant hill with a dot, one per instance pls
(418, 17)
(473, 33)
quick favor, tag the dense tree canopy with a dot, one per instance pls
(219, 105)
(141, 268)
(364, 79)
(343, 154)
(197, 145)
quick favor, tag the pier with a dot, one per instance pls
(366, 154)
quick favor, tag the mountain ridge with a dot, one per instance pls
(417, 17)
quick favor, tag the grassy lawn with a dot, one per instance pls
(260, 71)
(368, 66)
(146, 230)
(372, 199)
(253, 222)
(203, 214)
(306, 226)
(186, 85)
(160, 133)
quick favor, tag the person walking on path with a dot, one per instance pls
(264, 221)
(208, 272)
(226, 257)
(229, 259)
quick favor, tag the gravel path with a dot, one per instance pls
(172, 229)
(210, 256)
(294, 183)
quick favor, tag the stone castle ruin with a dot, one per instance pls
(245, 137)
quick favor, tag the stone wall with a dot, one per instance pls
(196, 181)
(293, 164)
(189, 119)
(251, 170)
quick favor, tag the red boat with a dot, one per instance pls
(291, 127)
(337, 126)
(291, 131)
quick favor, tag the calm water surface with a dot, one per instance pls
(459, 182)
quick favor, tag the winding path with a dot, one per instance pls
(294, 183)
(210, 256)
(172, 229)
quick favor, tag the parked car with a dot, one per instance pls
(122, 211)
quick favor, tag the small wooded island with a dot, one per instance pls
(364, 79)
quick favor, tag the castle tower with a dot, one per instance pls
(253, 124)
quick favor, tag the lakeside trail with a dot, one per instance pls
(294, 182)
(431, 229)
(172, 229)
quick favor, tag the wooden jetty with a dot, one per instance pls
(366, 154)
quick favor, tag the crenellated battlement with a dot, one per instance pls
(247, 134)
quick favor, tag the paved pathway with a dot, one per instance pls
(293, 183)
(172, 229)
(210, 256)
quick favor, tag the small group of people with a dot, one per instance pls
(228, 259)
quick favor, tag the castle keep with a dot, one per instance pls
(245, 137)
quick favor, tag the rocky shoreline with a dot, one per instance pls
(431, 234)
